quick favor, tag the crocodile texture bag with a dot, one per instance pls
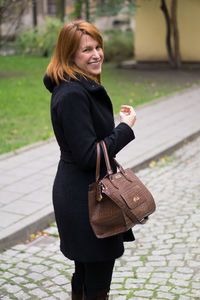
(119, 201)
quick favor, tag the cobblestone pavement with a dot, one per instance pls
(163, 262)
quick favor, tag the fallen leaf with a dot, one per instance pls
(32, 236)
(152, 164)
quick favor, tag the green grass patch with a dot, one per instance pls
(25, 103)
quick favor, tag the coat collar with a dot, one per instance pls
(89, 84)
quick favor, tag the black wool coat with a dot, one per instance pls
(82, 114)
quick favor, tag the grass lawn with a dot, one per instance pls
(24, 102)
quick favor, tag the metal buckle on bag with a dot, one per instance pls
(118, 176)
(136, 198)
(99, 197)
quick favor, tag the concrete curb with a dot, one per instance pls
(167, 151)
(21, 232)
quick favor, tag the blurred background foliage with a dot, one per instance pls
(41, 41)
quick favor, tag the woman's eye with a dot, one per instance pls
(85, 50)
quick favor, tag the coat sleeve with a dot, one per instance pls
(75, 115)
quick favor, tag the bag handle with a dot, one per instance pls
(107, 161)
(105, 152)
(98, 162)
(109, 169)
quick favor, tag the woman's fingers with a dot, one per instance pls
(127, 115)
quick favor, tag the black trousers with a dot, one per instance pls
(93, 276)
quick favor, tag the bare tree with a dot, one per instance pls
(176, 52)
(11, 15)
(172, 33)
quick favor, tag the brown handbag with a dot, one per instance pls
(119, 201)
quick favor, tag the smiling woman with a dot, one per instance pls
(89, 56)
(82, 115)
(75, 39)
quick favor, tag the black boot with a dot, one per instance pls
(100, 295)
(77, 291)
(78, 295)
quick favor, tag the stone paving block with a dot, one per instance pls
(11, 288)
(151, 286)
(195, 293)
(17, 271)
(182, 297)
(39, 293)
(165, 296)
(38, 269)
(116, 280)
(182, 276)
(176, 263)
(164, 288)
(196, 285)
(2, 281)
(62, 295)
(19, 280)
(120, 297)
(34, 259)
(161, 275)
(5, 297)
(30, 286)
(158, 280)
(144, 293)
(21, 295)
(60, 280)
(179, 290)
(179, 282)
(35, 276)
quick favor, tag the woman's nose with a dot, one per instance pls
(96, 53)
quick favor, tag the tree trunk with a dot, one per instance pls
(34, 4)
(87, 10)
(78, 9)
(61, 9)
(177, 56)
(163, 7)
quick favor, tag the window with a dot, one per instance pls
(52, 8)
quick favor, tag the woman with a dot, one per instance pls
(82, 115)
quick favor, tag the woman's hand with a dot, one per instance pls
(127, 115)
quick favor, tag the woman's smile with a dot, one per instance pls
(89, 56)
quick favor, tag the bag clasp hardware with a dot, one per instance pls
(136, 198)
(118, 176)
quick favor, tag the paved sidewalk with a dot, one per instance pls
(163, 262)
(26, 178)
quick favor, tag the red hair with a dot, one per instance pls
(66, 47)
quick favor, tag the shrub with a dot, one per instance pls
(26, 42)
(118, 45)
(40, 41)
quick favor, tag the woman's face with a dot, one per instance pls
(89, 56)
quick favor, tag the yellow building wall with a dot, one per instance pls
(150, 30)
